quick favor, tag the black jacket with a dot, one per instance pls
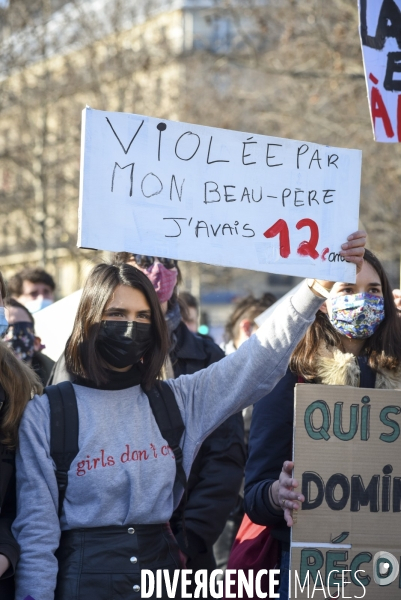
(216, 474)
(270, 444)
(8, 545)
(42, 365)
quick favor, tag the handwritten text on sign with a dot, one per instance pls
(380, 27)
(347, 445)
(189, 192)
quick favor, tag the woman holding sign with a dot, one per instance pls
(354, 340)
(88, 530)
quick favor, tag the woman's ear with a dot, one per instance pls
(246, 327)
(323, 308)
(37, 344)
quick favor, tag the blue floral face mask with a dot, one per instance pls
(357, 315)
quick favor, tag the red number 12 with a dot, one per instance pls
(307, 248)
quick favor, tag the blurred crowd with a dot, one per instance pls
(219, 505)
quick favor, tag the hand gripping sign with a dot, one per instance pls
(189, 192)
(346, 542)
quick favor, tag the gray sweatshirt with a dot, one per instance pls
(124, 472)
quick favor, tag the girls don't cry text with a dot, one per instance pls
(102, 460)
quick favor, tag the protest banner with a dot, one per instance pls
(380, 30)
(164, 188)
(347, 449)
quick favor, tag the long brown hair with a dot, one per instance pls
(19, 383)
(81, 353)
(383, 348)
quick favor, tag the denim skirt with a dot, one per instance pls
(104, 563)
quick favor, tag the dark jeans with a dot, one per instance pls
(7, 591)
(104, 563)
(222, 547)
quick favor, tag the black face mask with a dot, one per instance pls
(123, 343)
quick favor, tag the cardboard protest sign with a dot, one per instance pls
(163, 188)
(380, 29)
(347, 449)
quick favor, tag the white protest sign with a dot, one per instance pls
(54, 324)
(164, 188)
(380, 29)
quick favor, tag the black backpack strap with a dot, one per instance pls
(168, 418)
(64, 427)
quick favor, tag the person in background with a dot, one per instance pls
(189, 310)
(397, 300)
(32, 287)
(18, 384)
(217, 472)
(355, 340)
(21, 338)
(241, 323)
(239, 328)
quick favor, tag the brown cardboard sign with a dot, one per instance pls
(347, 454)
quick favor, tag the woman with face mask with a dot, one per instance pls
(354, 340)
(217, 471)
(17, 385)
(121, 486)
(20, 337)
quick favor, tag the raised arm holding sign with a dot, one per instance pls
(123, 483)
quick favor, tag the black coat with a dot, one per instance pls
(270, 444)
(42, 365)
(8, 545)
(216, 475)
